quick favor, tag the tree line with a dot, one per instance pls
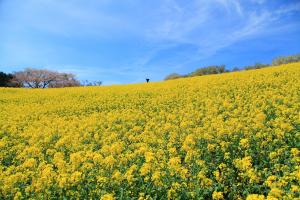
(42, 78)
(219, 69)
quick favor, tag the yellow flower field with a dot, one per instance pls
(229, 136)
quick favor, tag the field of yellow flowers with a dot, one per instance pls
(229, 136)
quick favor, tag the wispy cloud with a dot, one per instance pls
(244, 23)
(232, 6)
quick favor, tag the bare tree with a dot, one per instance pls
(42, 78)
(88, 83)
(65, 80)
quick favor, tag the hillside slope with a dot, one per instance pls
(221, 136)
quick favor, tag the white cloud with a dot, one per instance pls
(244, 23)
(231, 6)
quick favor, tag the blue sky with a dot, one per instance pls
(125, 41)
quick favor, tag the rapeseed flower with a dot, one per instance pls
(193, 138)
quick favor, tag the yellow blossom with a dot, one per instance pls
(107, 197)
(243, 164)
(145, 169)
(244, 143)
(217, 195)
(255, 197)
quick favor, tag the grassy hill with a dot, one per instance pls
(231, 136)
